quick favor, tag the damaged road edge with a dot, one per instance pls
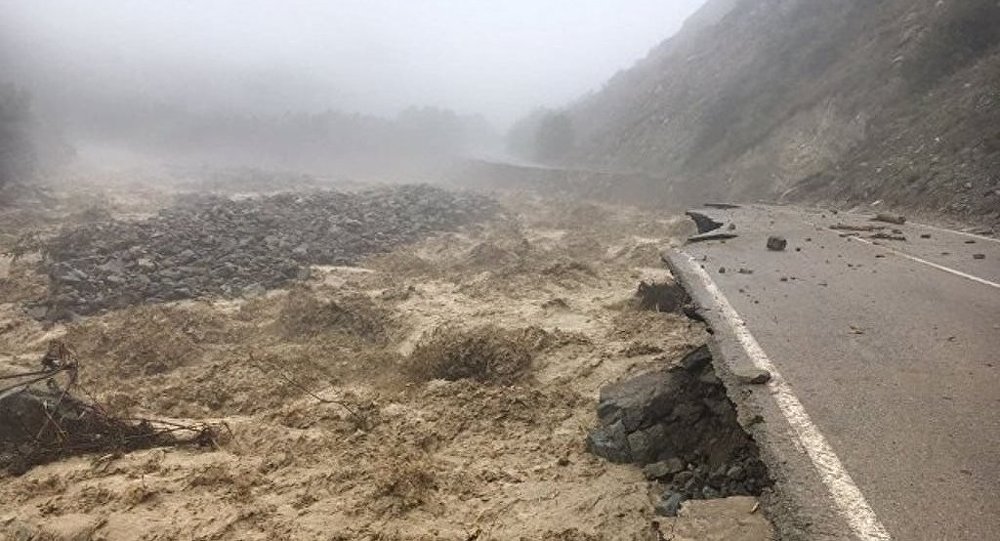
(709, 228)
(800, 506)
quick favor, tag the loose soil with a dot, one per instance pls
(442, 390)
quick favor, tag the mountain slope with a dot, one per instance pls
(843, 100)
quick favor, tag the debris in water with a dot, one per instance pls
(41, 420)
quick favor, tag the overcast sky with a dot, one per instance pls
(496, 57)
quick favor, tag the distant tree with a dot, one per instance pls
(554, 138)
(17, 157)
(520, 137)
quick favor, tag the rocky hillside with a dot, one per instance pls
(846, 101)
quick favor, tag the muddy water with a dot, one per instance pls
(440, 459)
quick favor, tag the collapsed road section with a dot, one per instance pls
(679, 425)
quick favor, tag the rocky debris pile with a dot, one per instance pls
(681, 426)
(209, 245)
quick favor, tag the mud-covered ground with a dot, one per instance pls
(340, 425)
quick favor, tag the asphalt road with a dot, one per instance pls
(891, 348)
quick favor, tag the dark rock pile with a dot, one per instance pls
(209, 245)
(680, 425)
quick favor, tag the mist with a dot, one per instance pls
(315, 84)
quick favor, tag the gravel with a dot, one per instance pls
(215, 246)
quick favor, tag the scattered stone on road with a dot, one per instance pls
(712, 236)
(897, 219)
(978, 256)
(887, 236)
(851, 227)
(776, 243)
(754, 376)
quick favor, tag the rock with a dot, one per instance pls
(709, 378)
(978, 256)
(718, 477)
(693, 484)
(897, 219)
(696, 360)
(668, 504)
(754, 376)
(610, 442)
(667, 296)
(663, 468)
(682, 477)
(687, 413)
(776, 243)
(638, 402)
(642, 447)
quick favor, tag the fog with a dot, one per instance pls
(296, 76)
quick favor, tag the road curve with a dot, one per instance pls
(881, 419)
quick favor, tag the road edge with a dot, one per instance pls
(799, 505)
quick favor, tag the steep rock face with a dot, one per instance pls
(849, 100)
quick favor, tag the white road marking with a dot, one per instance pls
(850, 502)
(929, 263)
(965, 275)
(946, 230)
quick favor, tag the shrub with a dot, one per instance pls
(487, 354)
